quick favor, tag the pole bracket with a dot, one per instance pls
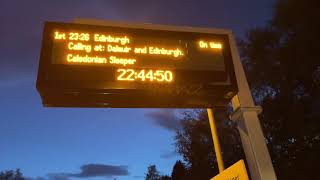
(237, 113)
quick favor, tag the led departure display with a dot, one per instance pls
(117, 66)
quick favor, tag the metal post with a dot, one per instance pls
(246, 113)
(215, 139)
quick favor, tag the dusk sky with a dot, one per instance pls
(70, 143)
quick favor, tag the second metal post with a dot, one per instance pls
(215, 139)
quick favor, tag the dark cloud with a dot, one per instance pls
(92, 170)
(165, 118)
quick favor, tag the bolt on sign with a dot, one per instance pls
(134, 66)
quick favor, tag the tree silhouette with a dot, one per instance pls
(283, 67)
(165, 177)
(179, 171)
(11, 175)
(153, 173)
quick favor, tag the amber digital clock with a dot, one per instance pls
(144, 75)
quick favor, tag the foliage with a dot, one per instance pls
(152, 173)
(283, 67)
(194, 143)
(165, 177)
(11, 175)
(179, 171)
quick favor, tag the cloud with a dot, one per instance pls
(92, 170)
(165, 118)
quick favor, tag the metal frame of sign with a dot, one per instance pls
(56, 92)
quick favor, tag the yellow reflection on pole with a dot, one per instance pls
(215, 139)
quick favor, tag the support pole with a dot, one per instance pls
(215, 139)
(246, 114)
